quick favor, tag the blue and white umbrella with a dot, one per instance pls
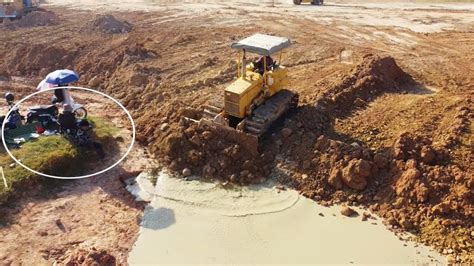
(43, 85)
(62, 76)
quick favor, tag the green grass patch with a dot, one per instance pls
(54, 155)
(103, 129)
(50, 155)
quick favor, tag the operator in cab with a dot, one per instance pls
(259, 64)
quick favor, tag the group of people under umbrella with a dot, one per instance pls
(71, 121)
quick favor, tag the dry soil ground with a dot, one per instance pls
(384, 120)
(47, 219)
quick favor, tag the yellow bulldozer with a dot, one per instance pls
(257, 97)
(313, 2)
(14, 9)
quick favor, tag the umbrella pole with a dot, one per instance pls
(68, 98)
(4, 179)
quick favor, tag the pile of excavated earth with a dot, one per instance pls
(108, 24)
(367, 133)
(33, 19)
(89, 257)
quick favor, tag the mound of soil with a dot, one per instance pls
(34, 19)
(38, 59)
(108, 24)
(371, 77)
(412, 184)
(204, 150)
(90, 257)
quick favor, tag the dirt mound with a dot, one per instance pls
(108, 24)
(34, 19)
(203, 150)
(38, 59)
(371, 77)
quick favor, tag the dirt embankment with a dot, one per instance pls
(33, 19)
(416, 184)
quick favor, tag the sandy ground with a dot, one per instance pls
(192, 222)
(177, 57)
(417, 17)
(71, 217)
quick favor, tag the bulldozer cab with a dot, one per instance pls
(263, 45)
(259, 79)
(256, 98)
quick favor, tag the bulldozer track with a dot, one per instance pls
(263, 116)
(213, 108)
(266, 114)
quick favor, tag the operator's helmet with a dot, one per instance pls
(9, 97)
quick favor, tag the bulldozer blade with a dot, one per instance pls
(247, 141)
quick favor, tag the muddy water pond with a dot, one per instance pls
(200, 222)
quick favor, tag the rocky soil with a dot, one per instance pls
(383, 122)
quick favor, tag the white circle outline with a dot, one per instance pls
(72, 177)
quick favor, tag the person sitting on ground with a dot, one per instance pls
(83, 137)
(67, 120)
(259, 64)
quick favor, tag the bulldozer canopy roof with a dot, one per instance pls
(262, 44)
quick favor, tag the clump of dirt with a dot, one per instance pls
(412, 184)
(34, 19)
(108, 24)
(91, 256)
(343, 164)
(203, 150)
(334, 165)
